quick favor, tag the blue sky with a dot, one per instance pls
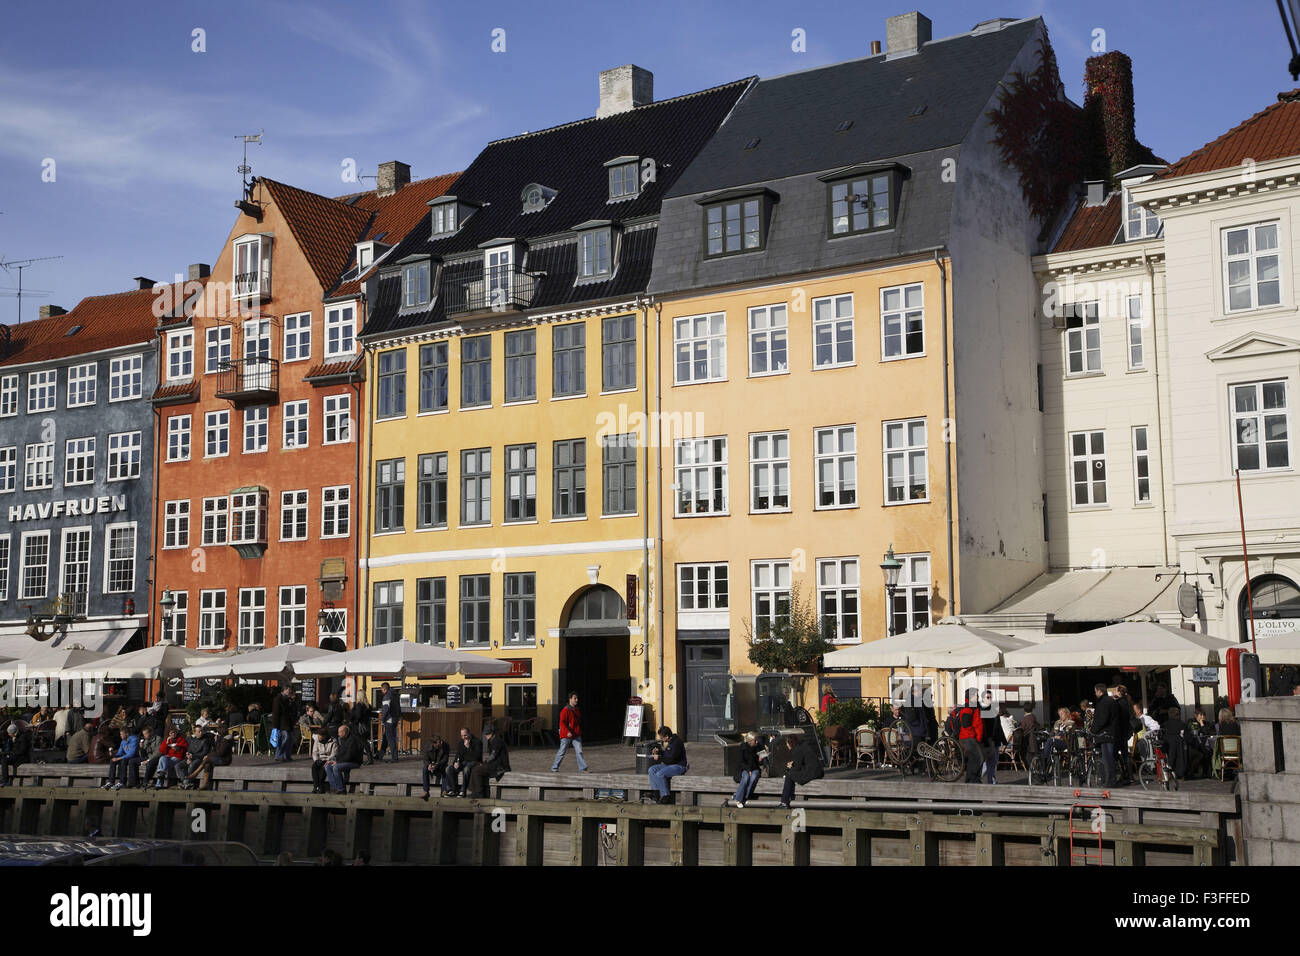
(142, 129)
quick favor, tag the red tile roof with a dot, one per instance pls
(325, 229)
(175, 394)
(1271, 133)
(1091, 226)
(330, 369)
(106, 321)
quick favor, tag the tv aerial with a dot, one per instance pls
(20, 265)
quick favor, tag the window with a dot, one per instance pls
(176, 524)
(702, 587)
(570, 474)
(476, 486)
(212, 618)
(335, 511)
(837, 599)
(36, 564)
(297, 337)
(521, 482)
(431, 611)
(618, 353)
(433, 377)
(733, 227)
(476, 371)
(389, 597)
(79, 462)
(521, 701)
(569, 351)
(770, 587)
(338, 419)
(256, 429)
(8, 396)
(444, 218)
(837, 466)
(911, 608)
(907, 473)
(431, 493)
(218, 354)
(293, 615)
(833, 330)
(340, 330)
(74, 577)
(295, 424)
(293, 515)
(618, 467)
(119, 569)
(769, 471)
(862, 204)
(700, 347)
(124, 456)
(392, 384)
(4, 568)
(1139, 223)
(1250, 262)
(415, 285)
(215, 511)
(8, 469)
(125, 378)
(81, 385)
(250, 268)
(475, 599)
(390, 495)
(768, 328)
(252, 617)
(1261, 426)
(38, 466)
(216, 434)
(623, 181)
(521, 609)
(521, 365)
(1136, 356)
(178, 438)
(594, 254)
(1082, 339)
(1141, 467)
(498, 276)
(175, 627)
(701, 476)
(41, 387)
(1088, 467)
(902, 322)
(180, 355)
(248, 517)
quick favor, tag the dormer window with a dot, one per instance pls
(1139, 223)
(536, 197)
(862, 200)
(736, 223)
(252, 265)
(444, 219)
(367, 253)
(624, 183)
(595, 250)
(447, 214)
(415, 283)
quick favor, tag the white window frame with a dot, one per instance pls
(125, 378)
(23, 593)
(689, 464)
(249, 501)
(767, 325)
(76, 469)
(257, 429)
(216, 424)
(74, 574)
(1089, 459)
(43, 460)
(618, 180)
(221, 339)
(1141, 458)
(772, 591)
(713, 342)
(903, 313)
(176, 524)
(176, 625)
(908, 453)
(178, 438)
(297, 337)
(180, 356)
(1077, 339)
(296, 413)
(129, 452)
(1252, 257)
(705, 573)
(336, 499)
(1136, 334)
(8, 469)
(838, 580)
(214, 507)
(909, 588)
(340, 330)
(1144, 219)
(42, 391)
(82, 380)
(589, 254)
(417, 284)
(769, 470)
(294, 505)
(293, 630)
(212, 617)
(8, 396)
(1258, 417)
(109, 559)
(4, 566)
(839, 330)
(836, 458)
(337, 409)
(443, 220)
(252, 617)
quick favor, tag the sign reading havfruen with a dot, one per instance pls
(69, 507)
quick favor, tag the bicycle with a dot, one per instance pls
(1044, 763)
(944, 759)
(1154, 769)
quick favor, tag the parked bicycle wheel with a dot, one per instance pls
(950, 762)
(1040, 769)
(1171, 779)
(1147, 774)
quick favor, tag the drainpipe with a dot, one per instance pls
(1160, 435)
(659, 504)
(362, 597)
(947, 445)
(644, 306)
(153, 536)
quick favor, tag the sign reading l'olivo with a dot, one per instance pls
(68, 507)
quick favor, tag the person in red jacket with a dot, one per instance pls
(171, 753)
(970, 733)
(570, 735)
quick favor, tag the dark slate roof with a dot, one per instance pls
(794, 116)
(569, 159)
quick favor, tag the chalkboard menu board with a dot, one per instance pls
(307, 691)
(453, 695)
(191, 689)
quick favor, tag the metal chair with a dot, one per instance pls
(864, 746)
(246, 738)
(1009, 754)
(841, 744)
(1227, 755)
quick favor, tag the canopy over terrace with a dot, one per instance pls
(397, 659)
(1126, 644)
(268, 662)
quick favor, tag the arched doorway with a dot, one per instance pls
(595, 660)
(1276, 601)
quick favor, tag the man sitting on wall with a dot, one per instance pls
(669, 761)
(468, 752)
(496, 761)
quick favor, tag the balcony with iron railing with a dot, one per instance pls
(503, 290)
(253, 285)
(249, 380)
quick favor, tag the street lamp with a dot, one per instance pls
(890, 567)
(168, 604)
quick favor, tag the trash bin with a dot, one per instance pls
(643, 760)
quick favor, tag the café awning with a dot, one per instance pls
(1126, 644)
(398, 659)
(944, 646)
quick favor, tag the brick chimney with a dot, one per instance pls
(624, 88)
(199, 270)
(906, 33)
(1108, 102)
(392, 177)
(49, 311)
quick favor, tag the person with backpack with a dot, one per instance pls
(970, 735)
(804, 765)
(570, 735)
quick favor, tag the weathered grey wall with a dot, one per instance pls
(1270, 794)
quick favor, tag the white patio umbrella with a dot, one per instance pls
(212, 666)
(150, 663)
(53, 659)
(1278, 649)
(268, 662)
(945, 646)
(399, 659)
(1126, 644)
(18, 646)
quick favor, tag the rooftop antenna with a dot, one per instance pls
(20, 265)
(243, 168)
